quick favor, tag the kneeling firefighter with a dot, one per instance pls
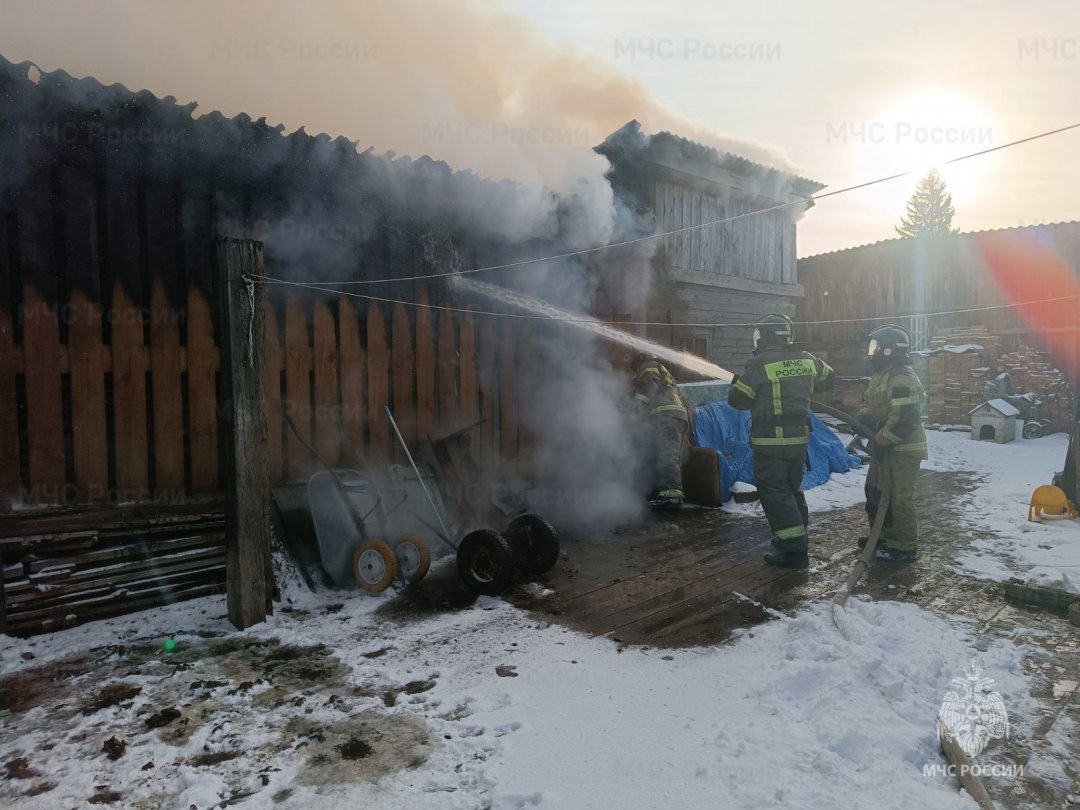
(776, 387)
(893, 406)
(668, 421)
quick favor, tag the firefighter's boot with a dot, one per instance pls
(791, 554)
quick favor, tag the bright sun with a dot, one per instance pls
(922, 130)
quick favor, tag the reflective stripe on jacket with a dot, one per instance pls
(893, 405)
(655, 388)
(776, 388)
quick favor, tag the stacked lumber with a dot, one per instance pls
(60, 570)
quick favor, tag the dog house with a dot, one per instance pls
(994, 421)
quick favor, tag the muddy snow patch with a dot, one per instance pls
(361, 748)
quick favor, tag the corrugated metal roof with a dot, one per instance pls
(905, 239)
(631, 132)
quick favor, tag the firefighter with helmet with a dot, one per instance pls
(776, 387)
(893, 408)
(668, 419)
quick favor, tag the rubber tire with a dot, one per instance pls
(423, 552)
(542, 539)
(1032, 431)
(389, 565)
(486, 562)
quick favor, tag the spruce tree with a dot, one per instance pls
(930, 209)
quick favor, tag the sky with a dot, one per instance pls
(836, 91)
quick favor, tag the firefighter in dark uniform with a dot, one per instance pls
(656, 390)
(893, 407)
(776, 388)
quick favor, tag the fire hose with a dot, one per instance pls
(863, 563)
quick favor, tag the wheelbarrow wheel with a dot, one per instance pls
(486, 562)
(540, 540)
(374, 566)
(413, 557)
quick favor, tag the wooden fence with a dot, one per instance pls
(135, 417)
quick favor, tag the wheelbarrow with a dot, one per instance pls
(488, 561)
(343, 502)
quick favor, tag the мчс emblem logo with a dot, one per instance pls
(974, 714)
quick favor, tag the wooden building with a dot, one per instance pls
(732, 272)
(1021, 285)
(112, 401)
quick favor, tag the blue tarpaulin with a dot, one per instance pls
(721, 427)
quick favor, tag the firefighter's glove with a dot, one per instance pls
(878, 450)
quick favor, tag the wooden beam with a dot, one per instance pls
(247, 484)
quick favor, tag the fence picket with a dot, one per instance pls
(202, 367)
(378, 368)
(86, 361)
(353, 374)
(327, 397)
(297, 386)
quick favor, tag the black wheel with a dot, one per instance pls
(413, 557)
(486, 562)
(1032, 430)
(540, 539)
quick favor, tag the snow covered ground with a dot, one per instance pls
(793, 714)
(491, 707)
(1003, 477)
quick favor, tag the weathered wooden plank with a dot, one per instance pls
(353, 374)
(486, 376)
(131, 549)
(163, 255)
(132, 571)
(697, 236)
(508, 397)
(426, 353)
(129, 366)
(528, 384)
(86, 358)
(297, 387)
(45, 428)
(10, 464)
(106, 601)
(378, 369)
(167, 403)
(129, 353)
(327, 394)
(202, 366)
(448, 371)
(247, 485)
(82, 316)
(403, 373)
(467, 398)
(272, 368)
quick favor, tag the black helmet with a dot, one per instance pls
(888, 343)
(773, 330)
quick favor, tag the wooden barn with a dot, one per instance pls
(1019, 285)
(117, 435)
(726, 273)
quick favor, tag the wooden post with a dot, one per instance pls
(246, 479)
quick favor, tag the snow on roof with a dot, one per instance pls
(999, 405)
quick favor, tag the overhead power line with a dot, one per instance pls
(688, 228)
(319, 287)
